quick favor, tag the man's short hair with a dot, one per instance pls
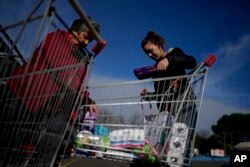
(79, 25)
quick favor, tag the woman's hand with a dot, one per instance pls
(163, 64)
(144, 92)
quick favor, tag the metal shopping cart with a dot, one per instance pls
(130, 128)
(39, 97)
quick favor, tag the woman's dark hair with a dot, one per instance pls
(79, 25)
(154, 38)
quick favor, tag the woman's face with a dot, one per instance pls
(155, 52)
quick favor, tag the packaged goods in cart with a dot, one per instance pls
(103, 145)
(82, 139)
(133, 140)
(147, 153)
(152, 149)
(86, 141)
(120, 155)
(152, 134)
(101, 130)
(177, 143)
(124, 138)
(179, 137)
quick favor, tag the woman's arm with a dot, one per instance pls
(178, 57)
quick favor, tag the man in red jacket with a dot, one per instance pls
(45, 92)
(59, 50)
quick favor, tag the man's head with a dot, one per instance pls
(82, 32)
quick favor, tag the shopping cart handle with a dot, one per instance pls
(97, 48)
(210, 60)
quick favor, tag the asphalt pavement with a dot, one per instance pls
(93, 162)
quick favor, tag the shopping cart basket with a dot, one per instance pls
(132, 128)
(39, 97)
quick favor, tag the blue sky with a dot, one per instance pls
(198, 27)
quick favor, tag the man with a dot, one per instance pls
(43, 95)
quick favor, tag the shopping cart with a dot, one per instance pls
(138, 129)
(38, 102)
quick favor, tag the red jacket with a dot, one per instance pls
(34, 84)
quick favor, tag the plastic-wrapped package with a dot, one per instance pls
(127, 138)
(144, 72)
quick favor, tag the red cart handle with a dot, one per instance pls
(210, 60)
(98, 47)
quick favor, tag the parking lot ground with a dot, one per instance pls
(93, 162)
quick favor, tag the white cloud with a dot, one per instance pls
(96, 79)
(212, 110)
(222, 84)
(231, 57)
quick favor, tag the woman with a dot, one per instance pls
(170, 92)
(173, 62)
